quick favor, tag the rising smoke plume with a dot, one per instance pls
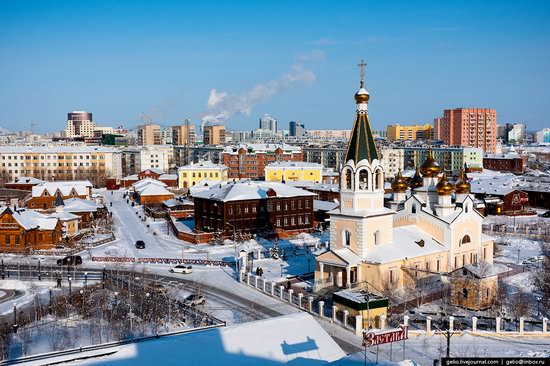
(222, 106)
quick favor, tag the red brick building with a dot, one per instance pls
(248, 161)
(510, 162)
(254, 207)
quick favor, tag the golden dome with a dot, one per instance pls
(399, 185)
(416, 181)
(430, 168)
(462, 186)
(444, 187)
(362, 96)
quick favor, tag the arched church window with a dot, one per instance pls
(346, 237)
(348, 179)
(414, 209)
(466, 208)
(377, 237)
(363, 179)
(465, 240)
(378, 179)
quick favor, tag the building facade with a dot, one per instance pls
(183, 134)
(79, 124)
(474, 127)
(149, 134)
(213, 135)
(543, 136)
(55, 162)
(268, 123)
(509, 162)
(293, 171)
(415, 132)
(189, 175)
(248, 161)
(254, 207)
(138, 159)
(296, 129)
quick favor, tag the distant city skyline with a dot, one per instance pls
(233, 62)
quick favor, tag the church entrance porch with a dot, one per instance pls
(332, 270)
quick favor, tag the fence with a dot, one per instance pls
(172, 261)
(531, 231)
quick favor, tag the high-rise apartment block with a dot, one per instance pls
(476, 127)
(268, 123)
(296, 129)
(183, 134)
(149, 134)
(80, 124)
(416, 132)
(213, 135)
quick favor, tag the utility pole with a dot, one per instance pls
(188, 141)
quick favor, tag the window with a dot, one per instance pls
(292, 221)
(363, 179)
(306, 219)
(347, 237)
(465, 293)
(485, 253)
(278, 222)
(347, 180)
(245, 209)
(414, 209)
(488, 292)
(230, 210)
(253, 208)
(377, 237)
(456, 262)
(392, 279)
(465, 240)
(438, 265)
(286, 221)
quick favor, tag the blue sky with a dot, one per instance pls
(295, 60)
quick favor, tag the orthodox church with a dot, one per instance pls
(429, 229)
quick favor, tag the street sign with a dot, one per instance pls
(374, 339)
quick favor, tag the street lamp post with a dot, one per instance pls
(50, 307)
(15, 325)
(81, 314)
(85, 279)
(70, 289)
(367, 299)
(3, 273)
(104, 274)
(538, 305)
(39, 272)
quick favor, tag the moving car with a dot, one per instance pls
(193, 300)
(70, 260)
(140, 244)
(180, 268)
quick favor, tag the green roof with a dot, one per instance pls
(361, 144)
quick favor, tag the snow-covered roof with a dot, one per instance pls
(81, 188)
(168, 177)
(64, 216)
(324, 205)
(154, 190)
(250, 190)
(325, 187)
(204, 165)
(172, 202)
(145, 182)
(27, 180)
(293, 165)
(131, 177)
(300, 183)
(295, 339)
(80, 205)
(348, 256)
(406, 243)
(154, 170)
(30, 219)
(500, 184)
(484, 269)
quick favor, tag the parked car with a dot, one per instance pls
(155, 287)
(195, 299)
(74, 260)
(140, 244)
(545, 214)
(180, 268)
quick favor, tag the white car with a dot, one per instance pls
(193, 300)
(180, 268)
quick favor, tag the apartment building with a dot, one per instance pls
(452, 159)
(249, 160)
(56, 162)
(475, 127)
(149, 134)
(181, 135)
(213, 135)
(137, 159)
(411, 133)
(79, 124)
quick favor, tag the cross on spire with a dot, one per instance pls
(362, 65)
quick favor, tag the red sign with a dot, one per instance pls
(374, 339)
